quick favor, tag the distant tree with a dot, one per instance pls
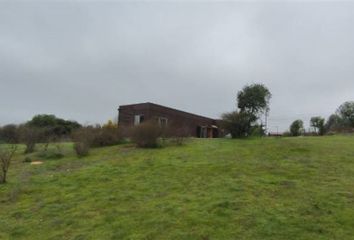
(9, 134)
(6, 154)
(346, 112)
(238, 124)
(296, 128)
(334, 123)
(53, 126)
(252, 102)
(110, 125)
(42, 120)
(254, 99)
(319, 124)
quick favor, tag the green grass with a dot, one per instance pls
(272, 188)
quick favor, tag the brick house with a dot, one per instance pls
(193, 125)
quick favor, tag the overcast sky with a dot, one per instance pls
(82, 60)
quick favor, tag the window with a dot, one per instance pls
(162, 121)
(138, 119)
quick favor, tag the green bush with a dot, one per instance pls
(238, 124)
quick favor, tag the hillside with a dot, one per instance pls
(272, 188)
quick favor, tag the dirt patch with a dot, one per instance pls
(36, 163)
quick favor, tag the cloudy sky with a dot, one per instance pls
(81, 60)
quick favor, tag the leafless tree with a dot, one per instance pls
(6, 154)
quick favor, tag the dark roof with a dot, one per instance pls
(161, 106)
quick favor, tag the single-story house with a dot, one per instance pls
(193, 125)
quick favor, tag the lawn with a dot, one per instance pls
(271, 188)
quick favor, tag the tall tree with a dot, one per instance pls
(334, 123)
(319, 124)
(346, 112)
(254, 99)
(297, 127)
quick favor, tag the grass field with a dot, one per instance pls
(272, 188)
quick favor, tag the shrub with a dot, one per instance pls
(81, 149)
(85, 134)
(106, 137)
(30, 136)
(146, 135)
(97, 136)
(238, 124)
(83, 139)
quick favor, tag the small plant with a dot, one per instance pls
(6, 154)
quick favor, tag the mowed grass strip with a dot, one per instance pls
(270, 188)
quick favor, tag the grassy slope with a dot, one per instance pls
(289, 188)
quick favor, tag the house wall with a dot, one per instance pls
(181, 120)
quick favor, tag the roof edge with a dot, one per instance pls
(158, 105)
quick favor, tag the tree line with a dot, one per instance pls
(41, 128)
(253, 103)
(339, 122)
